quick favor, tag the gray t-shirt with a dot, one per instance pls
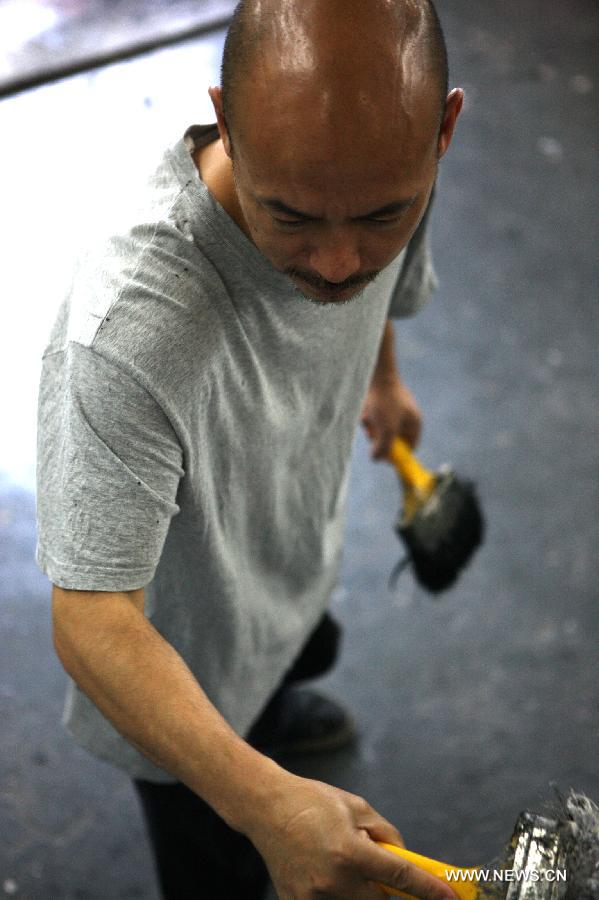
(196, 419)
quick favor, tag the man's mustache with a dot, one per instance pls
(318, 282)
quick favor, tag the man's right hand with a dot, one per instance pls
(319, 842)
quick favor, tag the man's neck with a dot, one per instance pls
(216, 171)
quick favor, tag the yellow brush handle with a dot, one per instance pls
(418, 482)
(466, 890)
(411, 472)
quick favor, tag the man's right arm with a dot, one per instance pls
(142, 685)
(313, 837)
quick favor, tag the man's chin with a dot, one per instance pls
(329, 296)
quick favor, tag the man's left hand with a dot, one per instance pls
(390, 410)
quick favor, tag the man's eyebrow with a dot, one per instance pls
(390, 209)
(276, 205)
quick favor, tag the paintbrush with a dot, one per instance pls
(532, 868)
(440, 524)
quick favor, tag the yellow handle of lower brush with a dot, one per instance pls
(418, 482)
(411, 471)
(466, 890)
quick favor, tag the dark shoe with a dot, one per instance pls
(298, 721)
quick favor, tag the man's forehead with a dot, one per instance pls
(324, 117)
(349, 122)
(285, 151)
(314, 172)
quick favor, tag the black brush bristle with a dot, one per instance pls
(444, 533)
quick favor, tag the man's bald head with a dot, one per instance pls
(333, 116)
(365, 53)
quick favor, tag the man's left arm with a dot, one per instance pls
(389, 408)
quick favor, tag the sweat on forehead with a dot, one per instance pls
(375, 49)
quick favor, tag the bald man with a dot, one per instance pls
(198, 401)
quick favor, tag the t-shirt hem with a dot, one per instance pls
(83, 578)
(141, 769)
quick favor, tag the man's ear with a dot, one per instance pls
(216, 96)
(453, 107)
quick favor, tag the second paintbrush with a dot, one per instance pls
(440, 524)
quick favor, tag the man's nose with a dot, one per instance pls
(336, 259)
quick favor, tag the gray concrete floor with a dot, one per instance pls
(44, 39)
(471, 705)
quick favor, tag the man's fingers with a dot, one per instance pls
(381, 438)
(385, 868)
(380, 830)
(381, 444)
(411, 430)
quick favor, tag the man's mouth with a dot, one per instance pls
(321, 289)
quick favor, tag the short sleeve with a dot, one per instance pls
(108, 469)
(417, 279)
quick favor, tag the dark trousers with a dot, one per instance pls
(197, 855)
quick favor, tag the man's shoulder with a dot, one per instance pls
(150, 234)
(148, 286)
(150, 277)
